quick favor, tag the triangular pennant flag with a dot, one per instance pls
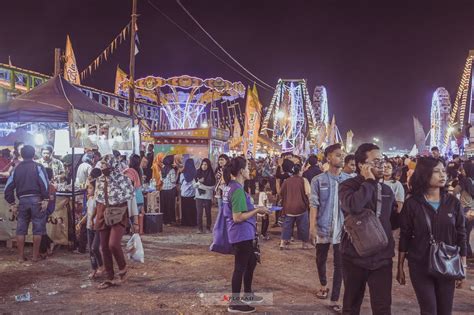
(71, 72)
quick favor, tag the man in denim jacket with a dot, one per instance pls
(326, 221)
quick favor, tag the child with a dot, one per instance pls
(47, 245)
(92, 236)
(263, 202)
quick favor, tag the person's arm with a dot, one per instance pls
(354, 200)
(240, 211)
(406, 232)
(10, 189)
(313, 209)
(461, 240)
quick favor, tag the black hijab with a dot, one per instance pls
(208, 175)
(167, 165)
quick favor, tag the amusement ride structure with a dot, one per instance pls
(440, 113)
(190, 102)
(290, 116)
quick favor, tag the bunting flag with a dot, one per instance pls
(349, 136)
(332, 138)
(137, 41)
(253, 114)
(419, 135)
(71, 73)
(120, 76)
(108, 51)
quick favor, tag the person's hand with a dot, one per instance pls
(263, 210)
(135, 228)
(44, 205)
(459, 284)
(14, 209)
(78, 227)
(366, 172)
(312, 235)
(470, 215)
(401, 275)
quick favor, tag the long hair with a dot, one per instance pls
(420, 180)
(135, 164)
(233, 168)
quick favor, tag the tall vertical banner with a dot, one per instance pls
(120, 76)
(419, 135)
(71, 73)
(332, 138)
(253, 114)
(349, 136)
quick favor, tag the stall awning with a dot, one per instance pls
(59, 101)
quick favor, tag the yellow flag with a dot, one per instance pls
(120, 76)
(253, 113)
(71, 73)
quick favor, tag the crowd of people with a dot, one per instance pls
(420, 200)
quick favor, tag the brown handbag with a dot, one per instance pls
(113, 214)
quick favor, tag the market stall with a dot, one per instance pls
(78, 122)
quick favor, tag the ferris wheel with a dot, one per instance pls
(320, 105)
(440, 111)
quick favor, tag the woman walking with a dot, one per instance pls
(295, 193)
(205, 182)
(188, 204)
(112, 189)
(168, 191)
(222, 162)
(240, 216)
(397, 187)
(429, 213)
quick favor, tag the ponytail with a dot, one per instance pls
(233, 168)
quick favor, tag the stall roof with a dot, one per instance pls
(52, 102)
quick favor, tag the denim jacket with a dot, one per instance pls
(324, 193)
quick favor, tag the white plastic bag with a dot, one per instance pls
(134, 249)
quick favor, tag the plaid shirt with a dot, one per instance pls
(120, 189)
(55, 164)
(169, 182)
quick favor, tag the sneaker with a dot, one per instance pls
(252, 299)
(240, 308)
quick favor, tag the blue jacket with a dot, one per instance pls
(28, 178)
(323, 192)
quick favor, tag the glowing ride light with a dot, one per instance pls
(440, 108)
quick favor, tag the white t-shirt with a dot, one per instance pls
(83, 171)
(397, 189)
(90, 212)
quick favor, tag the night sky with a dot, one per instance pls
(380, 61)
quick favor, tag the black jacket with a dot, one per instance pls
(447, 224)
(356, 194)
(312, 172)
(28, 178)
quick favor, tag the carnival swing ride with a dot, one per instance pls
(189, 102)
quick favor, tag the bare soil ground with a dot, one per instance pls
(178, 267)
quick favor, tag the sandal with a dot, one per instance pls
(322, 294)
(123, 275)
(106, 284)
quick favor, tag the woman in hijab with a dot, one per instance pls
(204, 184)
(168, 191)
(188, 204)
(156, 170)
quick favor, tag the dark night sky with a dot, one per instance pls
(379, 60)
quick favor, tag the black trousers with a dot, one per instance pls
(82, 241)
(265, 224)
(244, 266)
(435, 296)
(321, 260)
(168, 205)
(188, 211)
(469, 225)
(380, 288)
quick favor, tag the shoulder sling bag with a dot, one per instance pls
(365, 231)
(444, 260)
(113, 214)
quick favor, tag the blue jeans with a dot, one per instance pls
(93, 238)
(302, 224)
(29, 210)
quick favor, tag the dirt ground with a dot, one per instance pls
(178, 268)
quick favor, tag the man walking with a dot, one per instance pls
(326, 222)
(356, 194)
(30, 182)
